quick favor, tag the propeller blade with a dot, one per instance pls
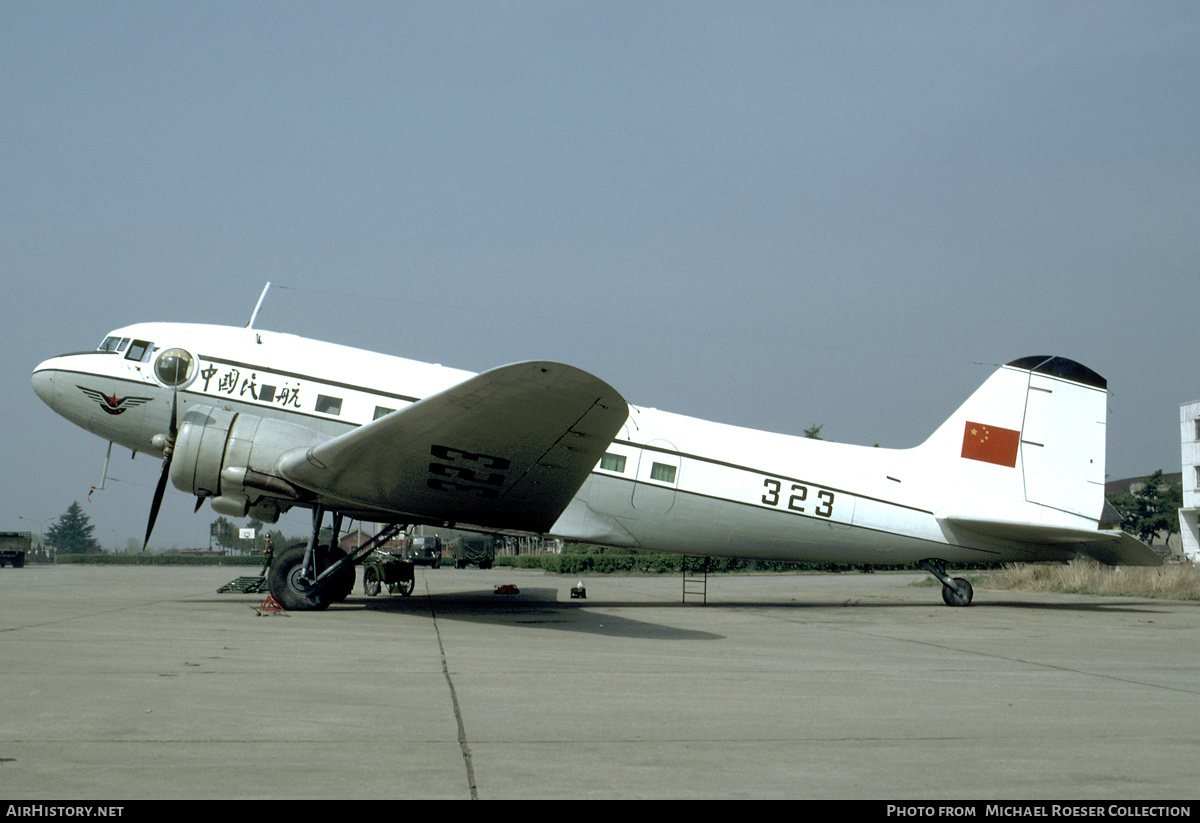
(158, 496)
(168, 449)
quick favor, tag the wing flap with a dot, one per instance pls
(505, 450)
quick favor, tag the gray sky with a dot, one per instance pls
(771, 214)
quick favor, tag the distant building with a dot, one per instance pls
(353, 539)
(1189, 437)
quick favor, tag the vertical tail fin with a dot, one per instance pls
(1033, 433)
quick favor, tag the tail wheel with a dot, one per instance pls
(958, 595)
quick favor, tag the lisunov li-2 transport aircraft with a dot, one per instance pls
(257, 422)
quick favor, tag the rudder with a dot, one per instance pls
(1063, 441)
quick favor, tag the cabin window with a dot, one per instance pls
(613, 463)
(329, 405)
(382, 411)
(663, 472)
(139, 350)
(174, 367)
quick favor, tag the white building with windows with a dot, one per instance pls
(1189, 435)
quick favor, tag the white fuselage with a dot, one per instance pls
(668, 483)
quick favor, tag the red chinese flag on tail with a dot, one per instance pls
(991, 444)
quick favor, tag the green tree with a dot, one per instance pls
(72, 533)
(813, 432)
(1152, 510)
(224, 533)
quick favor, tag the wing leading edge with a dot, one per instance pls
(506, 450)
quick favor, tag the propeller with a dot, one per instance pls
(168, 449)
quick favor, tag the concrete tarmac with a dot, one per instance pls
(127, 683)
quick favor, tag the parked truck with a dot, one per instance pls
(479, 549)
(13, 547)
(424, 551)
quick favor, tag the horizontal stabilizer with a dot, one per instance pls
(1022, 529)
(1109, 546)
(1127, 550)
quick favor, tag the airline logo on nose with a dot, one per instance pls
(113, 404)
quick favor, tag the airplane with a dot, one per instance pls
(257, 422)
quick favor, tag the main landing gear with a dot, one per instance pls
(309, 577)
(956, 591)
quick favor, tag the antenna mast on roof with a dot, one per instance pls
(258, 305)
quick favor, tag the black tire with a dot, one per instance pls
(371, 584)
(287, 588)
(343, 582)
(958, 597)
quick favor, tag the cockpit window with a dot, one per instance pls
(113, 343)
(139, 350)
(174, 367)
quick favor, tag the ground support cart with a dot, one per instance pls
(382, 569)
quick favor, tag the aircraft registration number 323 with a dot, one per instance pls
(797, 498)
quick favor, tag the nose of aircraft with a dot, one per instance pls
(44, 382)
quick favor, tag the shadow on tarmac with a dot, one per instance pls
(540, 608)
(532, 608)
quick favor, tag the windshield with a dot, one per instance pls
(113, 343)
(139, 350)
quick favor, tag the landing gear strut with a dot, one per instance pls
(310, 577)
(956, 591)
(293, 587)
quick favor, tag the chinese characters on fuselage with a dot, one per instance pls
(232, 382)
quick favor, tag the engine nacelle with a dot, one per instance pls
(229, 458)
